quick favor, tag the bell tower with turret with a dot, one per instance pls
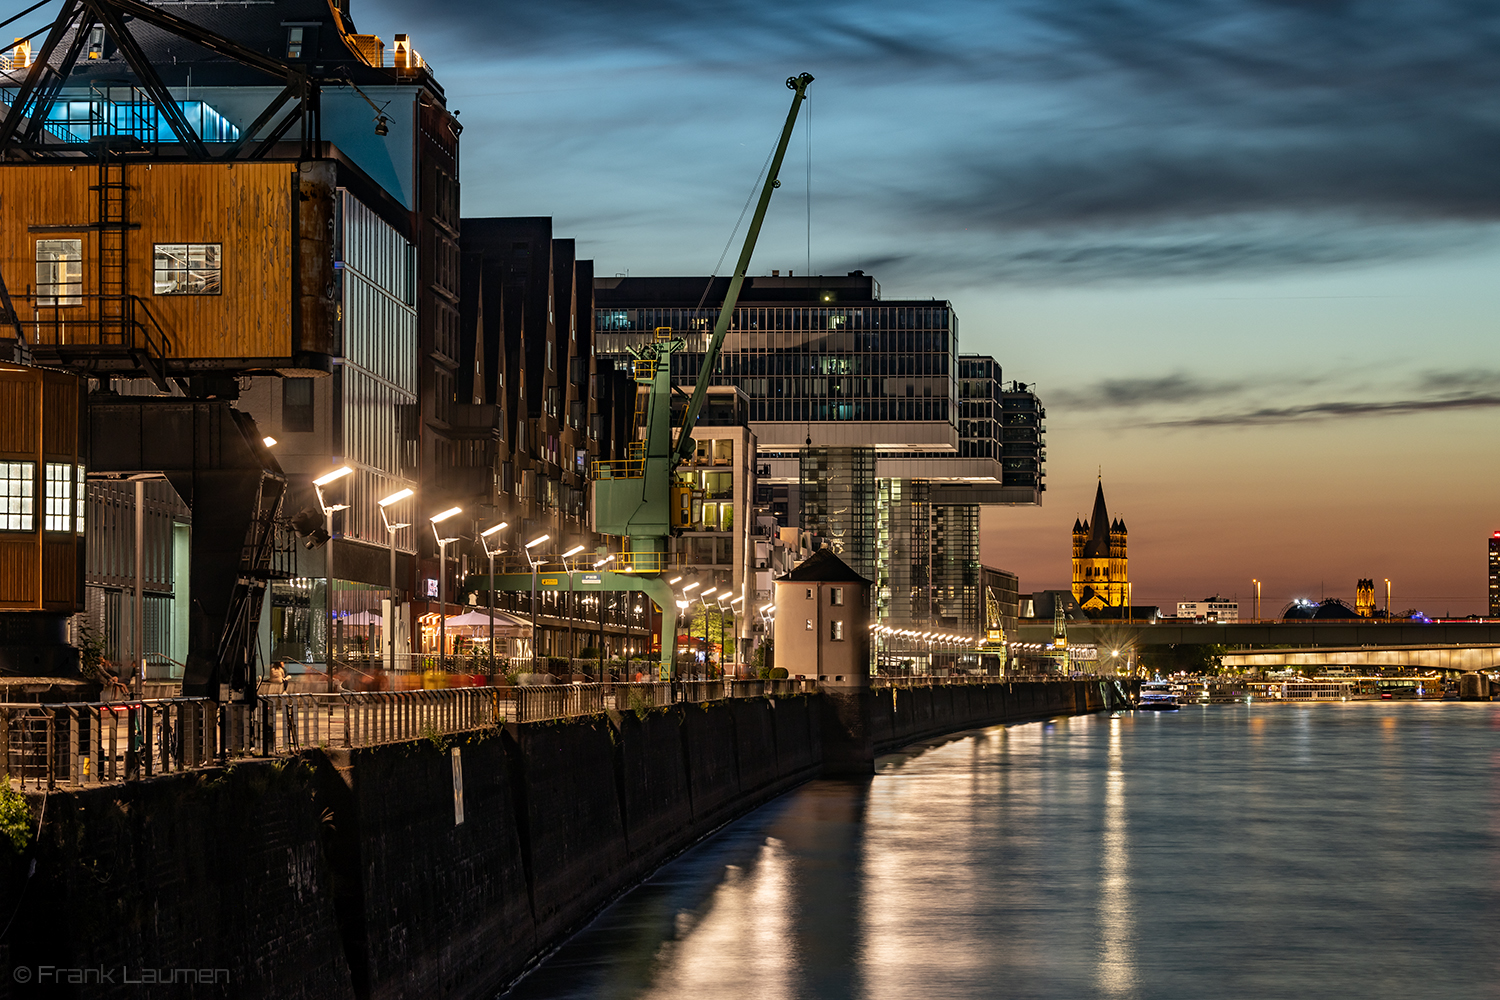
(1101, 560)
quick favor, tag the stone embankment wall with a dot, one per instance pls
(343, 873)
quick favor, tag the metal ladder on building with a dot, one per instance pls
(113, 222)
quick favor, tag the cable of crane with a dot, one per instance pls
(754, 189)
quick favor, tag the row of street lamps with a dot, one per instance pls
(385, 504)
(722, 601)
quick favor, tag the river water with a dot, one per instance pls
(1339, 850)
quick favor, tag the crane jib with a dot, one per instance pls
(798, 86)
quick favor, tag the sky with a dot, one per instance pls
(1245, 249)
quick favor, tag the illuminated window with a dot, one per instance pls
(78, 503)
(295, 38)
(59, 272)
(809, 593)
(59, 496)
(836, 631)
(188, 269)
(809, 626)
(17, 495)
(836, 596)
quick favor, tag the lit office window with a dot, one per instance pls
(188, 269)
(59, 496)
(836, 631)
(78, 503)
(59, 272)
(17, 495)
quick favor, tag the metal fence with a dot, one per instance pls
(81, 744)
(91, 743)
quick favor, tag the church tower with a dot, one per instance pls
(1101, 561)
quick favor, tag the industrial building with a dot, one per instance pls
(240, 226)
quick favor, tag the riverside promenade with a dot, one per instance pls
(424, 843)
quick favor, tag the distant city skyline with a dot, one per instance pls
(1247, 252)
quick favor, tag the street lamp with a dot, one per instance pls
(442, 544)
(391, 528)
(490, 554)
(530, 559)
(328, 513)
(599, 597)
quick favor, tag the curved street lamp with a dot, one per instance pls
(442, 544)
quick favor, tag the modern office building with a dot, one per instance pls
(1494, 576)
(534, 407)
(1210, 609)
(873, 434)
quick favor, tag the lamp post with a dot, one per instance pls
(1257, 599)
(681, 606)
(1387, 600)
(599, 596)
(533, 561)
(442, 544)
(328, 513)
(571, 599)
(734, 617)
(391, 528)
(707, 661)
(489, 553)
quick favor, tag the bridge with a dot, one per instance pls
(1340, 633)
(1455, 659)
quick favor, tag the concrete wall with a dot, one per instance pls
(343, 874)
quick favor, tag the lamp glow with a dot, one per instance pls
(398, 495)
(338, 473)
(537, 541)
(441, 517)
(572, 552)
(487, 532)
(268, 441)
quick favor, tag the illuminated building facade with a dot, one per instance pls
(1101, 563)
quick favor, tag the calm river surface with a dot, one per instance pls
(1228, 851)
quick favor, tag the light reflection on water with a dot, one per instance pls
(1228, 851)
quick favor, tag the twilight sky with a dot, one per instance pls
(1247, 249)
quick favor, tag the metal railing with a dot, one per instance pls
(79, 744)
(82, 744)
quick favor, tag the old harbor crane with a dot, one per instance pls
(632, 497)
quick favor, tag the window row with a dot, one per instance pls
(177, 269)
(62, 497)
(776, 318)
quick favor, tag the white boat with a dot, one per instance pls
(1157, 696)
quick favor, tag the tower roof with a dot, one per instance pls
(824, 567)
(1097, 546)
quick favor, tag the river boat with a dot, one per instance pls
(1157, 696)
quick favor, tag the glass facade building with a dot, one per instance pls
(874, 434)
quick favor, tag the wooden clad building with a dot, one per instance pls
(205, 267)
(41, 491)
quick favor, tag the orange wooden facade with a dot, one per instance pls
(271, 221)
(40, 569)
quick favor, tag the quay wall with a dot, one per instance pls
(342, 873)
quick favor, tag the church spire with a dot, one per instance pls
(1098, 544)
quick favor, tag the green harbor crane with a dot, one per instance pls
(632, 497)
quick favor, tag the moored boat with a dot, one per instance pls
(1157, 696)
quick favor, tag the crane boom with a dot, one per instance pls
(798, 86)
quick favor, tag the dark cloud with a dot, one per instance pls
(1131, 392)
(1337, 410)
(1071, 141)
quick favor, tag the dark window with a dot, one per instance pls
(297, 405)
